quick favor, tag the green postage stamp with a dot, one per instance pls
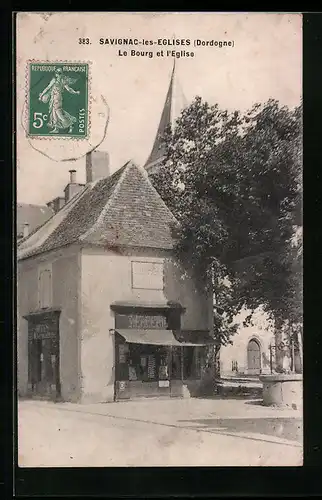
(58, 99)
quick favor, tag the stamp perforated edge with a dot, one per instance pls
(27, 101)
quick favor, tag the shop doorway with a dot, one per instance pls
(44, 369)
(43, 356)
(148, 371)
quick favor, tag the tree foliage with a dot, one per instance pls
(233, 181)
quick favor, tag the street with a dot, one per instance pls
(192, 432)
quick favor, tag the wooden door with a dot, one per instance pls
(44, 368)
(253, 357)
(43, 355)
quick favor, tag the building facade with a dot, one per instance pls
(252, 351)
(256, 349)
(105, 310)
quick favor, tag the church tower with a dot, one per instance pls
(175, 102)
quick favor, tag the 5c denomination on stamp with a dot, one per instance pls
(58, 99)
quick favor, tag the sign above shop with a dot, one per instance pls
(141, 321)
(43, 331)
(44, 325)
(147, 322)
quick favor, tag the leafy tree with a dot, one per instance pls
(234, 182)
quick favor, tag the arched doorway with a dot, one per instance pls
(253, 357)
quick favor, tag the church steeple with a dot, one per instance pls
(175, 102)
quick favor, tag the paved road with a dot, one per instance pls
(153, 433)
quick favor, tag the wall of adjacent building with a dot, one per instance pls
(27, 301)
(236, 354)
(66, 279)
(65, 282)
(107, 278)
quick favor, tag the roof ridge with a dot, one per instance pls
(22, 203)
(116, 190)
(101, 216)
(146, 176)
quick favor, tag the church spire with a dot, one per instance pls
(174, 104)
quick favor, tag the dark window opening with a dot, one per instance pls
(193, 361)
(176, 363)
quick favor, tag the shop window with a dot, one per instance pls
(151, 367)
(122, 353)
(143, 367)
(163, 371)
(122, 358)
(45, 288)
(148, 363)
(133, 375)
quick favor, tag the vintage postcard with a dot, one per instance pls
(159, 239)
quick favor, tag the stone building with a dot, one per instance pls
(253, 349)
(105, 311)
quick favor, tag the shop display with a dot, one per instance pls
(151, 367)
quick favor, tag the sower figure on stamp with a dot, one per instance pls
(58, 117)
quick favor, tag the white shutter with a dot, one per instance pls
(45, 293)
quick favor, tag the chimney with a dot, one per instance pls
(56, 204)
(25, 230)
(51, 205)
(72, 187)
(59, 202)
(97, 165)
(72, 174)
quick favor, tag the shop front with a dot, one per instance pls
(153, 359)
(43, 354)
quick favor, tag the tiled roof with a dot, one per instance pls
(34, 215)
(84, 214)
(121, 210)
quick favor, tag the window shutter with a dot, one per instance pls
(45, 298)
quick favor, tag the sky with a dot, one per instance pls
(264, 62)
